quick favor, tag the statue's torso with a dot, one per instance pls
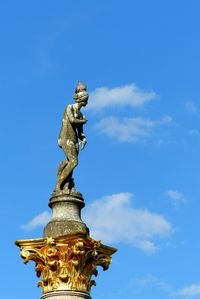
(69, 130)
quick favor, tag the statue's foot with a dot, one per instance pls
(57, 189)
(74, 192)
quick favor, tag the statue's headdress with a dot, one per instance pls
(81, 93)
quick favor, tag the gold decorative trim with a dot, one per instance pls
(67, 262)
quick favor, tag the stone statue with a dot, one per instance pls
(70, 134)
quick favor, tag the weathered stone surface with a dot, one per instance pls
(66, 215)
(71, 139)
(65, 295)
(61, 228)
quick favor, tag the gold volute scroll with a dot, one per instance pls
(67, 262)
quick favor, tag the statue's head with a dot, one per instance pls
(81, 95)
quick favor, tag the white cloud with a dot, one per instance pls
(40, 220)
(176, 197)
(113, 219)
(191, 107)
(190, 291)
(128, 95)
(130, 129)
(194, 132)
(151, 280)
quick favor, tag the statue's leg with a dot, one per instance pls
(72, 156)
(62, 165)
(71, 180)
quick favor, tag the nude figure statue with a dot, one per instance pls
(70, 134)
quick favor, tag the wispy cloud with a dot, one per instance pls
(153, 281)
(189, 291)
(194, 132)
(176, 197)
(39, 220)
(113, 219)
(130, 129)
(191, 107)
(149, 280)
(128, 95)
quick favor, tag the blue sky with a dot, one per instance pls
(139, 172)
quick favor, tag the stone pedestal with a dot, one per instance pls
(66, 215)
(66, 259)
(65, 295)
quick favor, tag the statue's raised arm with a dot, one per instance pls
(70, 134)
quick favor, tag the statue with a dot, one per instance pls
(70, 134)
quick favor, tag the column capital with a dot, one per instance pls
(66, 262)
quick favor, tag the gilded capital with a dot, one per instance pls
(66, 263)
